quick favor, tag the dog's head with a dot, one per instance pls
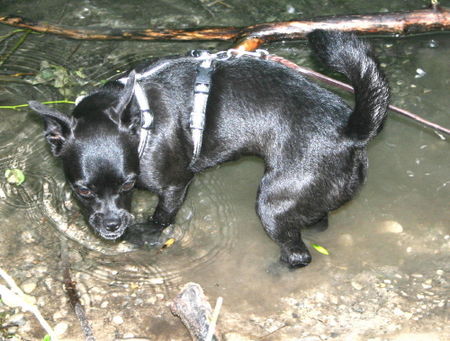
(98, 146)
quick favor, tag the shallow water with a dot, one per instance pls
(389, 248)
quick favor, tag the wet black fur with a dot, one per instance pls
(312, 143)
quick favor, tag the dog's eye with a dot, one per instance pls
(127, 186)
(85, 192)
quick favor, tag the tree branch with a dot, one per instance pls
(432, 19)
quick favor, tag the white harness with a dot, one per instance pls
(201, 92)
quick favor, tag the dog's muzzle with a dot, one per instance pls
(111, 227)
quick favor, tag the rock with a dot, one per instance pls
(356, 285)
(235, 337)
(17, 319)
(61, 328)
(27, 237)
(345, 239)
(117, 319)
(390, 226)
(29, 286)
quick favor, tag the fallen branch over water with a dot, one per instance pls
(435, 18)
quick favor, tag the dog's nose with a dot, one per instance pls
(112, 224)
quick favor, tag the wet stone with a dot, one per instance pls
(61, 328)
(235, 337)
(390, 226)
(117, 320)
(346, 239)
(27, 237)
(18, 319)
(29, 286)
(356, 285)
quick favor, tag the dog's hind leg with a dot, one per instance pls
(284, 207)
(321, 225)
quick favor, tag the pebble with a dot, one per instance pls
(29, 286)
(390, 226)
(156, 281)
(117, 319)
(439, 272)
(346, 239)
(420, 73)
(356, 285)
(18, 319)
(61, 328)
(59, 315)
(27, 237)
(235, 337)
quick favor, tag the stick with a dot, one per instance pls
(72, 293)
(317, 75)
(213, 322)
(432, 19)
(194, 310)
(14, 297)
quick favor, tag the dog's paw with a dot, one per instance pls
(295, 256)
(146, 234)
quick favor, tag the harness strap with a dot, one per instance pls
(201, 93)
(146, 115)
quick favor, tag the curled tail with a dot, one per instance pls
(345, 53)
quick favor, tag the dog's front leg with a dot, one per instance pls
(170, 201)
(171, 198)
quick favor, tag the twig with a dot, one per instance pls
(213, 322)
(22, 39)
(72, 293)
(433, 19)
(349, 88)
(15, 107)
(15, 297)
(10, 34)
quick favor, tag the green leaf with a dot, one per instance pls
(47, 338)
(321, 249)
(14, 176)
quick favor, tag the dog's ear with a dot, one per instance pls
(128, 121)
(126, 94)
(58, 126)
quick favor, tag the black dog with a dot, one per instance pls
(312, 143)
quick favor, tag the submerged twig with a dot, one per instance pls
(72, 293)
(349, 88)
(15, 107)
(22, 39)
